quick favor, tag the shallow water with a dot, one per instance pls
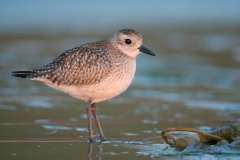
(193, 81)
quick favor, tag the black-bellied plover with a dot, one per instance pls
(93, 72)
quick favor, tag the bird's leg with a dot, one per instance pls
(89, 114)
(97, 122)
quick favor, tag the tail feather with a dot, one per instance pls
(23, 74)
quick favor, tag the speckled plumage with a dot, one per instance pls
(94, 71)
(82, 65)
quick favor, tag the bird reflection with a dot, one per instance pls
(93, 154)
(90, 151)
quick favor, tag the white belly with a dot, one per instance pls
(114, 84)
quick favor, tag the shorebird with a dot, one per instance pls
(93, 72)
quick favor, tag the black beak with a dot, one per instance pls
(145, 50)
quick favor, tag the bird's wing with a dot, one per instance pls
(78, 66)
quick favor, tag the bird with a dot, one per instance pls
(93, 72)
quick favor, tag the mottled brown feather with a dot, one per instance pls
(83, 65)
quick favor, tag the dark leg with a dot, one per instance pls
(89, 114)
(97, 121)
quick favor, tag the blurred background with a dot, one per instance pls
(193, 81)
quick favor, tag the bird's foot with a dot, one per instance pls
(90, 140)
(103, 139)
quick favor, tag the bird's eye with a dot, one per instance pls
(128, 41)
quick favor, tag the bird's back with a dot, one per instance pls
(82, 65)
